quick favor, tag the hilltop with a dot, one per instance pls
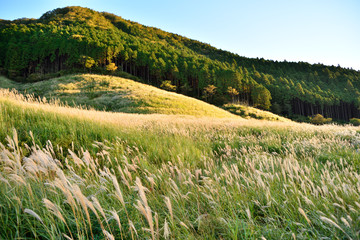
(77, 39)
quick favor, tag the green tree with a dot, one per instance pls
(319, 119)
(355, 121)
(111, 67)
(209, 92)
(87, 62)
(299, 89)
(276, 108)
(261, 97)
(185, 88)
(233, 93)
(166, 85)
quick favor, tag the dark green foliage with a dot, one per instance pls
(166, 85)
(209, 92)
(261, 97)
(355, 121)
(299, 118)
(75, 38)
(276, 108)
(318, 119)
(88, 62)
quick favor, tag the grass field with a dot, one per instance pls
(251, 112)
(123, 95)
(79, 174)
(116, 94)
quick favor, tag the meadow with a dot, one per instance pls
(249, 112)
(72, 173)
(115, 94)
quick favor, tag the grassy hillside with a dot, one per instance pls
(116, 94)
(7, 83)
(251, 112)
(109, 175)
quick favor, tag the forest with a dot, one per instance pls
(76, 39)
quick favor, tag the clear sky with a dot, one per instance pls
(315, 31)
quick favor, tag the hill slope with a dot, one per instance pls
(99, 175)
(251, 112)
(117, 94)
(79, 38)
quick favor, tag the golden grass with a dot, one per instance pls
(251, 112)
(168, 122)
(118, 95)
(249, 185)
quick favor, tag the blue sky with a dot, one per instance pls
(315, 31)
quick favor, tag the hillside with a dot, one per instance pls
(74, 38)
(116, 94)
(84, 174)
(250, 112)
(124, 95)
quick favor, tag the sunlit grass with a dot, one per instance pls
(117, 94)
(135, 176)
(251, 112)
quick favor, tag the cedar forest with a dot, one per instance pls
(74, 39)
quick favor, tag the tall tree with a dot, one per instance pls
(261, 97)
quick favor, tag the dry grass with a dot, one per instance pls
(118, 95)
(251, 112)
(252, 179)
(143, 120)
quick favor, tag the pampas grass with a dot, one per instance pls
(143, 177)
